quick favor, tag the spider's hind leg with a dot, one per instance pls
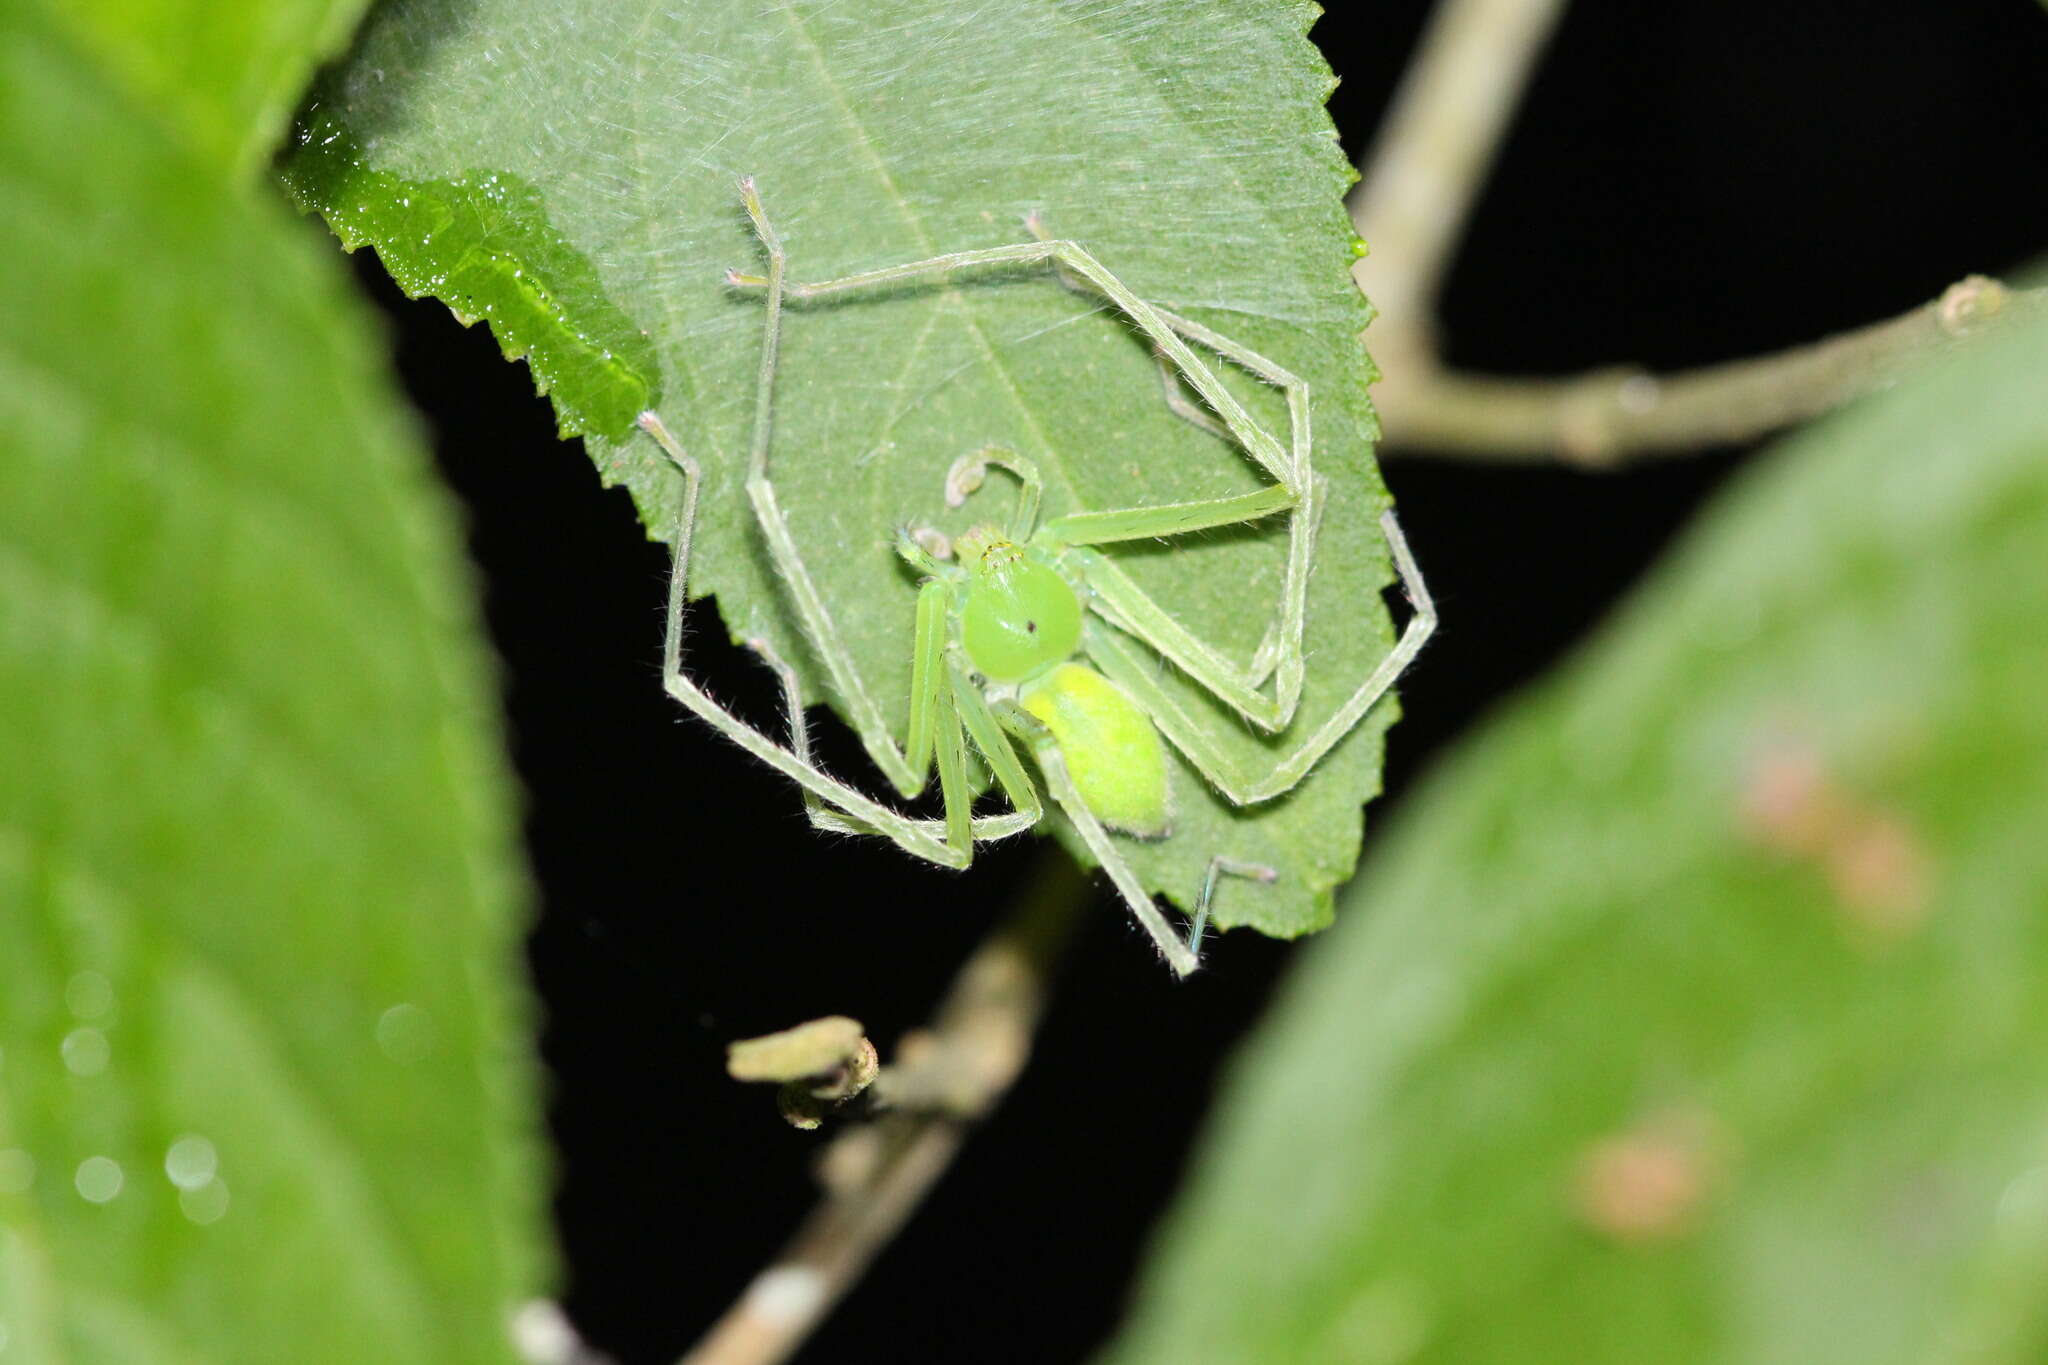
(948, 843)
(821, 631)
(1221, 866)
(1180, 954)
(820, 815)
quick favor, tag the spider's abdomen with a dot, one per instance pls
(1112, 749)
(1019, 617)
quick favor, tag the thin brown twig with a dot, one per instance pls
(876, 1175)
(1607, 416)
(1433, 151)
(1418, 187)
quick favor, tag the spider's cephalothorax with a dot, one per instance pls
(1017, 616)
(1019, 623)
(1032, 636)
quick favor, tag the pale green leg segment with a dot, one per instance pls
(927, 674)
(911, 835)
(927, 707)
(1247, 784)
(1177, 402)
(1179, 955)
(821, 815)
(1168, 519)
(1115, 596)
(810, 605)
(1281, 647)
(954, 788)
(994, 746)
(1221, 866)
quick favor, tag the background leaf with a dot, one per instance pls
(566, 171)
(264, 1088)
(1701, 1008)
(223, 79)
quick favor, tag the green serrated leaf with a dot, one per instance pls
(1701, 1012)
(483, 245)
(1184, 142)
(264, 1092)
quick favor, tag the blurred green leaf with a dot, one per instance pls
(264, 1084)
(566, 170)
(1697, 1011)
(223, 77)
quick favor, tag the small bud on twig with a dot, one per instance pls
(820, 1065)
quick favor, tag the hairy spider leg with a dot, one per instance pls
(1283, 639)
(1221, 866)
(1245, 784)
(955, 849)
(1180, 954)
(789, 565)
(1026, 810)
(1281, 646)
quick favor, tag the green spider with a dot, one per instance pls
(1030, 634)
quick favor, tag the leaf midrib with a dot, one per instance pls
(916, 225)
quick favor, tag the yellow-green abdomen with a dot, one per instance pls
(1112, 749)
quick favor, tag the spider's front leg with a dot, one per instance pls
(1279, 653)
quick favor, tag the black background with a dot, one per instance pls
(1688, 181)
